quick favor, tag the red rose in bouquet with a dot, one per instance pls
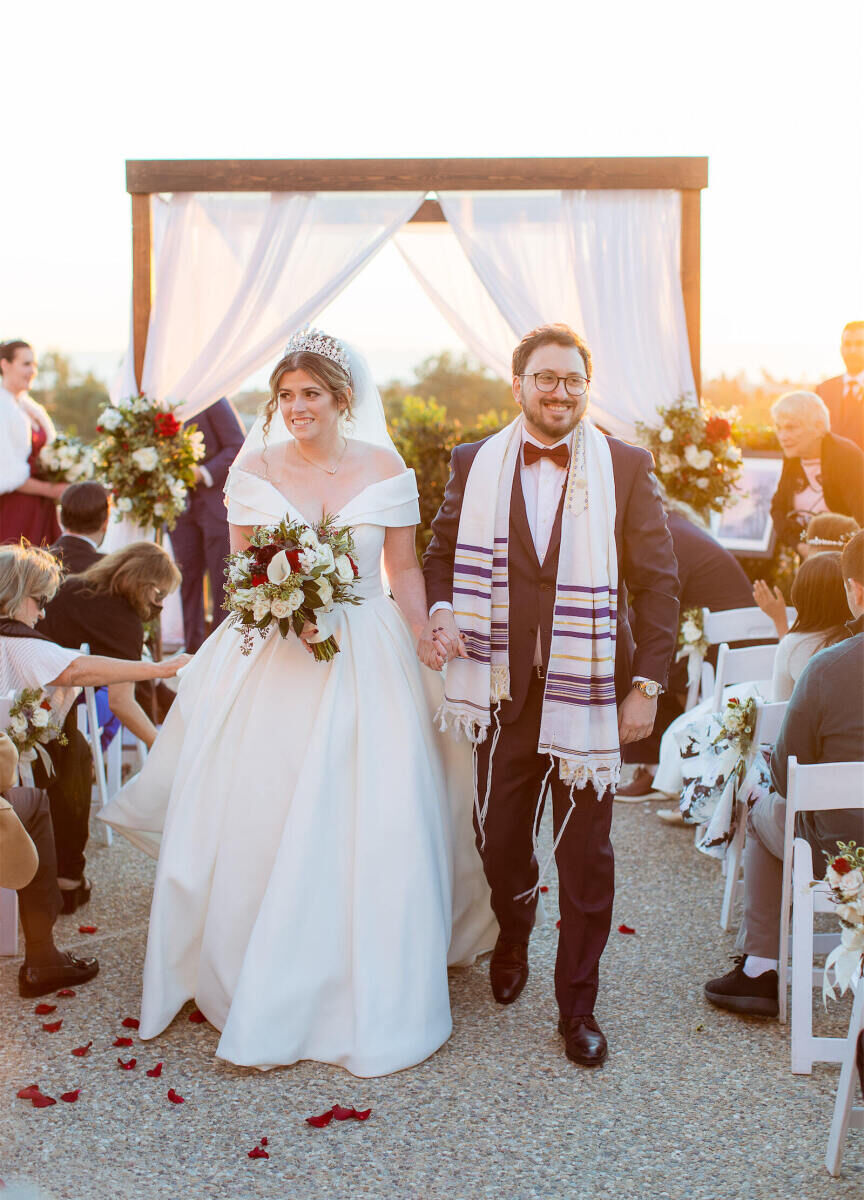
(166, 424)
(717, 429)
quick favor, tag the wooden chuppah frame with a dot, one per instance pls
(146, 178)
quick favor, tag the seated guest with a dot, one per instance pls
(200, 537)
(824, 723)
(826, 532)
(28, 505)
(844, 394)
(819, 596)
(106, 607)
(29, 578)
(28, 863)
(84, 514)
(822, 472)
(709, 577)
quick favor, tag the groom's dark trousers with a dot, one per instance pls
(584, 856)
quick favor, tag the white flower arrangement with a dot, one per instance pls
(66, 460)
(32, 725)
(845, 877)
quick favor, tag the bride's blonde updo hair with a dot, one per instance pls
(323, 370)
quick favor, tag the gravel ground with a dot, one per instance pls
(693, 1102)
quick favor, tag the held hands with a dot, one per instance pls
(440, 640)
(636, 717)
(773, 604)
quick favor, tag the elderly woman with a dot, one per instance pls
(28, 506)
(29, 577)
(822, 472)
(106, 606)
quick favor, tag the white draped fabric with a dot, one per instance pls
(237, 273)
(605, 262)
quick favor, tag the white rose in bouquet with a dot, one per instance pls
(278, 568)
(260, 608)
(666, 434)
(124, 504)
(236, 571)
(324, 557)
(246, 597)
(146, 459)
(702, 483)
(698, 459)
(18, 725)
(40, 718)
(733, 454)
(691, 632)
(308, 559)
(309, 538)
(296, 599)
(853, 913)
(851, 883)
(159, 509)
(343, 569)
(196, 441)
(669, 463)
(324, 589)
(280, 609)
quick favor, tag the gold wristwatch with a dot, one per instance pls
(648, 688)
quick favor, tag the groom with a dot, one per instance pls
(585, 523)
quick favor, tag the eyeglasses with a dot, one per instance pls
(547, 381)
(40, 601)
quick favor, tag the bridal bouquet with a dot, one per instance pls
(32, 725)
(147, 457)
(845, 877)
(290, 574)
(66, 460)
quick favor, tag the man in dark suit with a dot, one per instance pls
(200, 538)
(84, 514)
(709, 577)
(644, 648)
(844, 394)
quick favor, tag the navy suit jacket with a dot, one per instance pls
(223, 436)
(847, 417)
(709, 575)
(647, 633)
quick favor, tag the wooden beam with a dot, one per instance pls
(142, 278)
(424, 174)
(691, 282)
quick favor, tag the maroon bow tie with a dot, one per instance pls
(559, 454)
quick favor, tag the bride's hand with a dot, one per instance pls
(170, 666)
(308, 631)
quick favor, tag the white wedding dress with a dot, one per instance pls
(317, 869)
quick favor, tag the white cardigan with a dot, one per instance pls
(17, 418)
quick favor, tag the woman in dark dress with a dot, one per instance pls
(28, 506)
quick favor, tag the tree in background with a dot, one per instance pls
(72, 399)
(752, 404)
(458, 383)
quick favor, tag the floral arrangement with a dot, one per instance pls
(695, 457)
(692, 642)
(290, 574)
(147, 457)
(738, 723)
(32, 725)
(845, 877)
(66, 460)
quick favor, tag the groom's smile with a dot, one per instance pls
(552, 412)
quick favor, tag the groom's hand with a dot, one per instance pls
(440, 640)
(635, 716)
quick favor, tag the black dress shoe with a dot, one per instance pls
(739, 993)
(39, 981)
(75, 897)
(584, 1040)
(508, 970)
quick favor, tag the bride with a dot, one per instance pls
(317, 871)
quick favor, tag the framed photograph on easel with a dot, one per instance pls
(745, 527)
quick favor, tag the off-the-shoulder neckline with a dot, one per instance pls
(340, 512)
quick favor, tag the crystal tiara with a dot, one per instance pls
(315, 341)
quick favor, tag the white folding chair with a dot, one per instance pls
(93, 732)
(769, 718)
(812, 788)
(846, 1114)
(750, 664)
(734, 625)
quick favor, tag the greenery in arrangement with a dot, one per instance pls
(695, 456)
(32, 725)
(147, 458)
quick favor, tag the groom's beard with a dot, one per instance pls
(555, 426)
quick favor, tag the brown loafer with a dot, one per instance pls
(508, 970)
(640, 786)
(584, 1040)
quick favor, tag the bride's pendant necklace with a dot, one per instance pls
(318, 467)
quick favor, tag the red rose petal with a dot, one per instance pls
(29, 1093)
(87, 928)
(156, 1071)
(43, 1101)
(71, 1097)
(53, 1026)
(122, 1042)
(319, 1122)
(174, 1098)
(544, 888)
(625, 929)
(558, 923)
(258, 1153)
(42, 1010)
(364, 1115)
(127, 1066)
(342, 1114)
(80, 1051)
(66, 992)
(264, 1142)
(197, 1017)
(130, 1023)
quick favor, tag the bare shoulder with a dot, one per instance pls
(381, 461)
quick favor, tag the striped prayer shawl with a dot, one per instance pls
(579, 725)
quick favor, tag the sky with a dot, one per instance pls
(770, 91)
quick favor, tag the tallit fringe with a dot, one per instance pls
(500, 683)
